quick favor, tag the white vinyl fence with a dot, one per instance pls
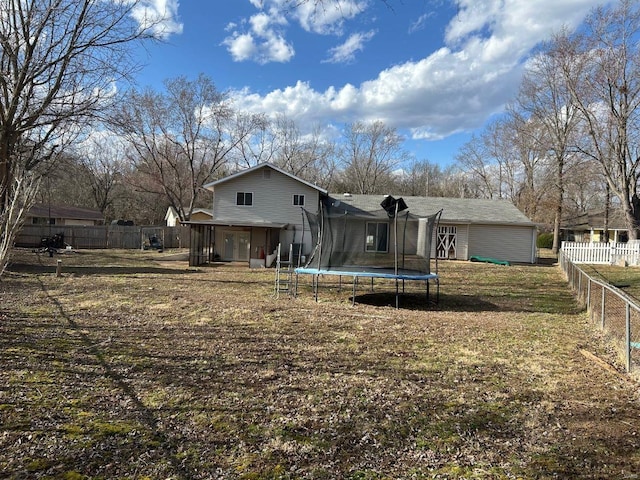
(602, 253)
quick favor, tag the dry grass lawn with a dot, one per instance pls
(131, 365)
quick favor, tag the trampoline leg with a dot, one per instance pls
(371, 284)
(314, 282)
(353, 299)
(397, 294)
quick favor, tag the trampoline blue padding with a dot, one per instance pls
(368, 272)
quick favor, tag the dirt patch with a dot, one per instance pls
(134, 366)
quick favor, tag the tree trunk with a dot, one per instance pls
(633, 217)
(607, 211)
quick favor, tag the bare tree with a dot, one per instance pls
(423, 178)
(482, 164)
(545, 100)
(370, 153)
(255, 146)
(103, 161)
(59, 59)
(181, 138)
(604, 79)
(308, 156)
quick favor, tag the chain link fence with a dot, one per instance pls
(617, 314)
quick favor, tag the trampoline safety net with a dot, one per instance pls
(390, 239)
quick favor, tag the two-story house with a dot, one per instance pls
(256, 209)
(253, 211)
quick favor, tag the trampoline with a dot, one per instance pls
(382, 244)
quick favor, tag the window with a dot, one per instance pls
(244, 198)
(43, 221)
(377, 237)
(298, 200)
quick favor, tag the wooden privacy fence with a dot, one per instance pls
(617, 314)
(602, 253)
(104, 236)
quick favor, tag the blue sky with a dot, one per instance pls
(437, 70)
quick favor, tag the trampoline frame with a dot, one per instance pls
(369, 272)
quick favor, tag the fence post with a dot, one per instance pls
(580, 294)
(628, 336)
(589, 295)
(604, 296)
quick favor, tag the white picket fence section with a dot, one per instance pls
(602, 253)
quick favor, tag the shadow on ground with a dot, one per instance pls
(417, 301)
(97, 270)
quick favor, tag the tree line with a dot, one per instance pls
(161, 147)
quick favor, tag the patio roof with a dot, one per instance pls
(233, 223)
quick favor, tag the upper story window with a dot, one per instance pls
(377, 238)
(244, 198)
(298, 200)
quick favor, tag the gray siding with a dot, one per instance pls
(272, 198)
(503, 242)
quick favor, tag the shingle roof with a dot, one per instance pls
(211, 185)
(595, 220)
(64, 211)
(454, 210)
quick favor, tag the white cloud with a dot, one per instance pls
(161, 16)
(346, 52)
(329, 17)
(456, 88)
(267, 28)
(241, 46)
(263, 43)
(420, 23)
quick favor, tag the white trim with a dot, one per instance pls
(293, 199)
(245, 198)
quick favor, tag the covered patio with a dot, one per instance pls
(214, 241)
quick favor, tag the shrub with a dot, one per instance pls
(545, 240)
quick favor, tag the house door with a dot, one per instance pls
(446, 244)
(236, 246)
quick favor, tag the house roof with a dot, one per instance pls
(240, 223)
(211, 186)
(454, 210)
(206, 211)
(595, 220)
(64, 211)
(172, 212)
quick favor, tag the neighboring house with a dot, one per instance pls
(43, 214)
(171, 217)
(589, 227)
(201, 214)
(257, 208)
